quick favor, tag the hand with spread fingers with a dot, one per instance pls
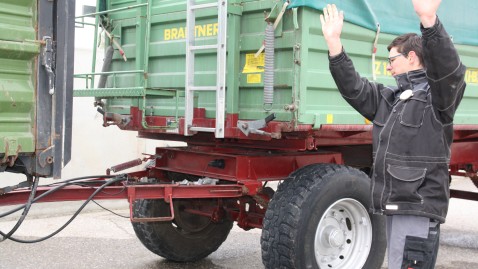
(332, 22)
(426, 11)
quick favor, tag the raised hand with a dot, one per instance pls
(426, 11)
(332, 22)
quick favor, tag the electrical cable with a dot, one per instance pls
(107, 193)
(109, 182)
(109, 210)
(34, 200)
(25, 211)
(80, 178)
(87, 185)
(64, 184)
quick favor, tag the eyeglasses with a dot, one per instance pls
(391, 59)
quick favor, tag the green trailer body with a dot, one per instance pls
(149, 87)
(17, 78)
(36, 91)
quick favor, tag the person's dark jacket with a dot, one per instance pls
(412, 137)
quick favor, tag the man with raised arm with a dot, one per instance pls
(412, 130)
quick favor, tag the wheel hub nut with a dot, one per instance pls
(336, 238)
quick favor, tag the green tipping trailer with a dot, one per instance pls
(246, 84)
(152, 82)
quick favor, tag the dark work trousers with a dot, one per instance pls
(412, 242)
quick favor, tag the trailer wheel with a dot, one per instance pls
(188, 238)
(318, 218)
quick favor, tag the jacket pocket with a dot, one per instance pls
(414, 110)
(404, 184)
(420, 253)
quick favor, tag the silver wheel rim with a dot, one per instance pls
(344, 236)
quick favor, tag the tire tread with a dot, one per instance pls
(281, 221)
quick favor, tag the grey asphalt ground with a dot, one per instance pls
(99, 239)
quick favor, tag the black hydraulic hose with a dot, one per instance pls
(114, 180)
(64, 184)
(81, 178)
(25, 211)
(86, 184)
(109, 210)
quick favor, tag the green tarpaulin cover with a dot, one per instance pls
(460, 17)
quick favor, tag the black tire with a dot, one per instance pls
(187, 238)
(292, 221)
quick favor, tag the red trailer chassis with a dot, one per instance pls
(240, 173)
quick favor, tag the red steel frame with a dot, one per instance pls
(243, 167)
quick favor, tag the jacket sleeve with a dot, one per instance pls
(360, 93)
(445, 71)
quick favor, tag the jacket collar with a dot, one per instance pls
(409, 80)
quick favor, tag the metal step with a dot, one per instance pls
(203, 6)
(203, 88)
(202, 129)
(110, 92)
(204, 47)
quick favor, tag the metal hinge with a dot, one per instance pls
(252, 127)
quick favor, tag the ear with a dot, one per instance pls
(411, 55)
(413, 58)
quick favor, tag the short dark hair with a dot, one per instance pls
(408, 42)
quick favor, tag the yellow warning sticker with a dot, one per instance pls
(254, 64)
(254, 78)
(330, 118)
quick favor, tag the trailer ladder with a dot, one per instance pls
(191, 49)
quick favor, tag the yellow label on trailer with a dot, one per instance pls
(254, 78)
(204, 30)
(471, 75)
(330, 118)
(381, 69)
(254, 64)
